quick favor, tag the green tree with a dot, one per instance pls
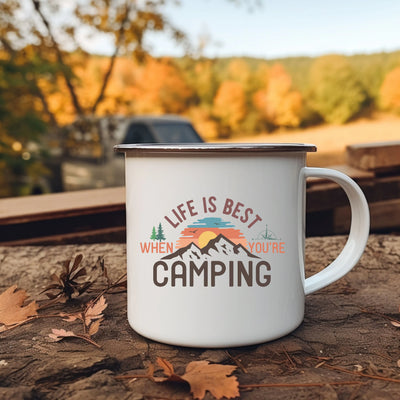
(160, 234)
(21, 127)
(336, 92)
(153, 234)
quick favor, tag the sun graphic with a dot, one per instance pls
(205, 237)
(203, 230)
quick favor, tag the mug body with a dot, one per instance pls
(215, 242)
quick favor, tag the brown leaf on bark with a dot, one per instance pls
(69, 282)
(59, 334)
(94, 327)
(91, 318)
(12, 309)
(202, 377)
(75, 280)
(95, 311)
(168, 370)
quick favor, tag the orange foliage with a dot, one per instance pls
(158, 86)
(161, 89)
(120, 93)
(390, 90)
(155, 87)
(238, 71)
(58, 100)
(230, 104)
(278, 103)
(203, 122)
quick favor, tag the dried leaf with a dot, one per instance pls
(202, 377)
(77, 261)
(94, 327)
(66, 285)
(91, 317)
(59, 334)
(168, 370)
(71, 317)
(12, 310)
(166, 366)
(95, 310)
(395, 323)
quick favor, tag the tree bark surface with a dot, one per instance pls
(347, 327)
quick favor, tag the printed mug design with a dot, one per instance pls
(211, 250)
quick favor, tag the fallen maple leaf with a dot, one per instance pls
(202, 377)
(12, 310)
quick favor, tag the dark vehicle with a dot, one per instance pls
(89, 160)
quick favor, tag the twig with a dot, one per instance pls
(237, 362)
(130, 377)
(259, 385)
(321, 384)
(288, 357)
(366, 311)
(87, 339)
(30, 319)
(109, 287)
(9, 328)
(381, 378)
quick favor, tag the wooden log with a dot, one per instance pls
(346, 336)
(379, 157)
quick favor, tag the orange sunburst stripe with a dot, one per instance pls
(190, 235)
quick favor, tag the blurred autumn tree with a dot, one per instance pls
(336, 92)
(53, 30)
(199, 74)
(229, 107)
(160, 88)
(48, 77)
(390, 91)
(76, 83)
(20, 128)
(279, 104)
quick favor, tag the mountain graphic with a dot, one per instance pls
(216, 248)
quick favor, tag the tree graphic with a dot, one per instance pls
(153, 234)
(160, 234)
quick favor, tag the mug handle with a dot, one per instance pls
(359, 230)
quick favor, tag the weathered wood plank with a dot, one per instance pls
(50, 206)
(379, 157)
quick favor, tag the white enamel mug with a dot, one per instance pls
(215, 241)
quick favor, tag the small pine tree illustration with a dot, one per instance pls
(160, 234)
(153, 234)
